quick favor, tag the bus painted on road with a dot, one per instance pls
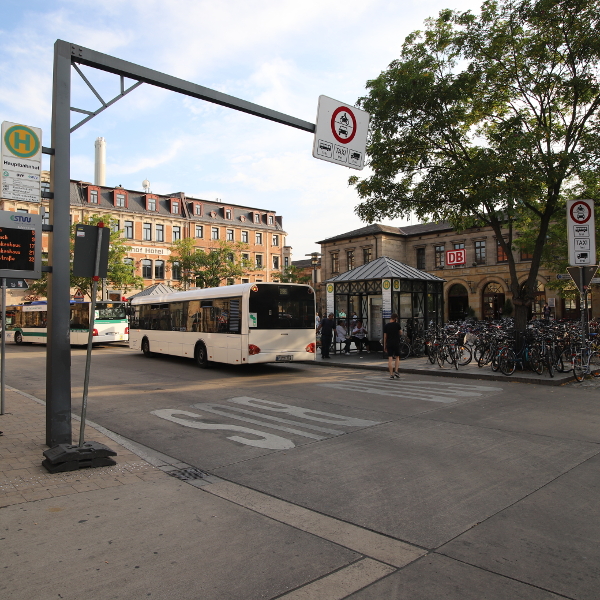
(27, 323)
(237, 324)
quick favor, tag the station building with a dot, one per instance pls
(150, 223)
(481, 284)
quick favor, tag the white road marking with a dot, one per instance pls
(418, 390)
(304, 413)
(216, 409)
(269, 441)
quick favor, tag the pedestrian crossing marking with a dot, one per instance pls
(429, 391)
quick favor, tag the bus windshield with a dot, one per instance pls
(282, 307)
(110, 311)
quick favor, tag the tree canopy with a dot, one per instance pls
(199, 268)
(488, 119)
(291, 274)
(120, 275)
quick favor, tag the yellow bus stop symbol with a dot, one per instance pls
(22, 141)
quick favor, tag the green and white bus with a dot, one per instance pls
(236, 324)
(27, 323)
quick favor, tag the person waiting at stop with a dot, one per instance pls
(359, 337)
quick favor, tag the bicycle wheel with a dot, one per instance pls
(404, 350)
(441, 355)
(485, 357)
(464, 355)
(595, 364)
(478, 351)
(507, 361)
(578, 368)
(565, 361)
(495, 359)
(418, 347)
(536, 364)
(431, 353)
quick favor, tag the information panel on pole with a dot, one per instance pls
(20, 245)
(21, 154)
(341, 133)
(581, 233)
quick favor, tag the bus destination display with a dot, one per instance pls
(20, 245)
(17, 249)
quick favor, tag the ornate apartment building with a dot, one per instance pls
(150, 223)
(481, 284)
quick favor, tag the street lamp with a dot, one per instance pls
(314, 261)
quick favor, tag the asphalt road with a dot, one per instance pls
(498, 481)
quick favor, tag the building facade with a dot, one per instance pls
(479, 287)
(150, 223)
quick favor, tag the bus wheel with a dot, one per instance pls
(18, 337)
(146, 348)
(201, 356)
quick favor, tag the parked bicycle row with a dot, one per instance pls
(545, 346)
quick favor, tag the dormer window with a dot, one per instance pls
(198, 209)
(151, 203)
(120, 198)
(270, 219)
(256, 218)
(93, 196)
(174, 207)
(228, 213)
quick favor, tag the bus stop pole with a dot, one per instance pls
(3, 349)
(88, 359)
(58, 356)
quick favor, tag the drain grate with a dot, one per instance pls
(187, 474)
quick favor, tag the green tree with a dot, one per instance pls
(120, 275)
(291, 274)
(488, 119)
(198, 268)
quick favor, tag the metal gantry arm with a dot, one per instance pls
(67, 56)
(105, 105)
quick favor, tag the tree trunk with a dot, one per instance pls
(521, 310)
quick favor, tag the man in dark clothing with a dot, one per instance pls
(326, 327)
(391, 345)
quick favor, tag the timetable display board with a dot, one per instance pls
(20, 245)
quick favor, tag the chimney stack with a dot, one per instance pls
(100, 162)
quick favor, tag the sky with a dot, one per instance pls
(281, 54)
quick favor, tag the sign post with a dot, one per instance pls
(90, 260)
(341, 133)
(581, 234)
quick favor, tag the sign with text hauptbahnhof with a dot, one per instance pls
(20, 245)
(21, 168)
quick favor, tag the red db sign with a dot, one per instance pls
(456, 257)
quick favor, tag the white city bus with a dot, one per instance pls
(236, 324)
(27, 323)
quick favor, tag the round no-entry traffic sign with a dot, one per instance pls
(343, 125)
(580, 212)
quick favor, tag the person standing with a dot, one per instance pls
(326, 327)
(391, 345)
(547, 311)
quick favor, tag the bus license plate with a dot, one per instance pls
(284, 358)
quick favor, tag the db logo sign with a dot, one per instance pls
(456, 257)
